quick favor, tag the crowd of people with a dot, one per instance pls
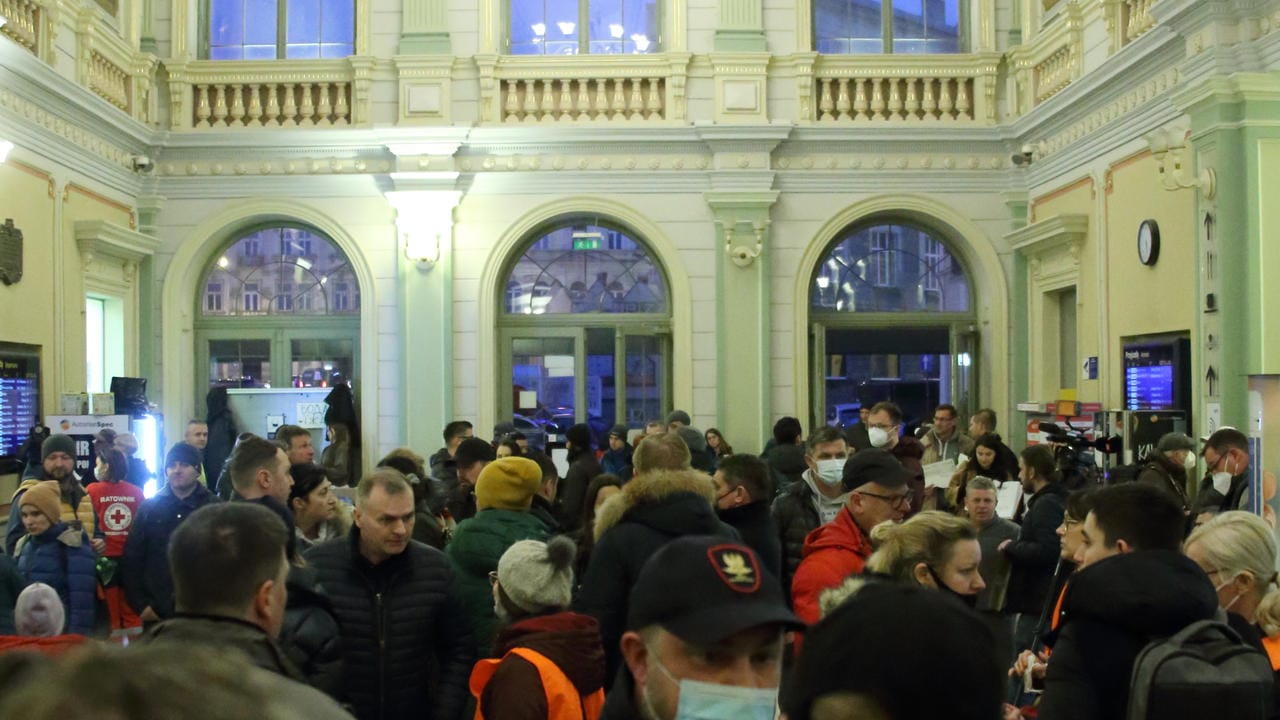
(662, 577)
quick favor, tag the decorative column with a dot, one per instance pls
(741, 27)
(425, 28)
(147, 39)
(424, 200)
(149, 207)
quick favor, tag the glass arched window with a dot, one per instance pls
(278, 307)
(585, 332)
(892, 320)
(852, 27)
(581, 27)
(279, 29)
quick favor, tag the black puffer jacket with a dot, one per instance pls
(310, 635)
(796, 517)
(755, 524)
(407, 642)
(653, 509)
(786, 463)
(572, 492)
(1035, 553)
(144, 570)
(1112, 609)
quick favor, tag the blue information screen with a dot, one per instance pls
(1149, 378)
(19, 401)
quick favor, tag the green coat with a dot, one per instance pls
(474, 551)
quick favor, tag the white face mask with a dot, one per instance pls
(831, 472)
(1218, 588)
(879, 437)
(1189, 462)
(1222, 482)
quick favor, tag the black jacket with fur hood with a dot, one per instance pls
(652, 510)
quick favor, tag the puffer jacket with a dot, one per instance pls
(61, 558)
(11, 585)
(652, 510)
(310, 635)
(796, 517)
(144, 569)
(77, 508)
(406, 639)
(474, 551)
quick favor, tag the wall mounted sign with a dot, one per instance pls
(10, 253)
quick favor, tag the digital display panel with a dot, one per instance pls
(1150, 377)
(19, 398)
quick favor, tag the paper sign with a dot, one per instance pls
(961, 459)
(939, 474)
(1008, 495)
(311, 414)
(528, 399)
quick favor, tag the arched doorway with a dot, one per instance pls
(892, 318)
(278, 307)
(584, 331)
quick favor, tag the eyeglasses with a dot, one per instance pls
(493, 578)
(892, 500)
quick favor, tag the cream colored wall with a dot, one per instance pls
(27, 308)
(1146, 300)
(1075, 197)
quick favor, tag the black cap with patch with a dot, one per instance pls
(705, 589)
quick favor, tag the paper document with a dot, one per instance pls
(1008, 496)
(939, 474)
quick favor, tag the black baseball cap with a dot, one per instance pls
(704, 589)
(874, 466)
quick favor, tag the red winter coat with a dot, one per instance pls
(832, 552)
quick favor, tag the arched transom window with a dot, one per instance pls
(890, 268)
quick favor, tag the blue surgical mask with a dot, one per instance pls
(710, 701)
(831, 471)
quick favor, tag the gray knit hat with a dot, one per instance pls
(693, 437)
(538, 576)
(679, 416)
(57, 443)
(39, 612)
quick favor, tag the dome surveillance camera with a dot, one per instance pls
(142, 164)
(1023, 158)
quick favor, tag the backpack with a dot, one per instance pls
(1204, 671)
(1125, 473)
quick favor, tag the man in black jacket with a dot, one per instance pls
(1034, 554)
(1133, 586)
(815, 500)
(743, 488)
(144, 570)
(407, 640)
(1226, 482)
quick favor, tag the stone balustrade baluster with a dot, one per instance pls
(253, 113)
(565, 109)
(947, 101)
(843, 103)
(877, 99)
(582, 101)
(547, 102)
(618, 101)
(964, 102)
(324, 105)
(511, 100)
(272, 118)
(602, 100)
(861, 102)
(654, 104)
(237, 106)
(220, 106)
(635, 101)
(530, 106)
(307, 109)
(929, 106)
(895, 98)
(341, 108)
(826, 103)
(290, 118)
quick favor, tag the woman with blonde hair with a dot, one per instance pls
(1237, 550)
(933, 549)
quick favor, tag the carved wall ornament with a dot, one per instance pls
(10, 253)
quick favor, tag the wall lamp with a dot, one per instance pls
(424, 219)
(742, 255)
(1172, 153)
(5, 147)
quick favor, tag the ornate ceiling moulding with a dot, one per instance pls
(275, 166)
(892, 162)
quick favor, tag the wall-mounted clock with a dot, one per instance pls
(1148, 242)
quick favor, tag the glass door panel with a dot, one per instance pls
(321, 363)
(239, 363)
(646, 373)
(546, 387)
(908, 366)
(602, 387)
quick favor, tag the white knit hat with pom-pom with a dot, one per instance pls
(538, 576)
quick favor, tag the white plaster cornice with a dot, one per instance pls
(1050, 234)
(100, 239)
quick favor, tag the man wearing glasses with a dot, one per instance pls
(877, 487)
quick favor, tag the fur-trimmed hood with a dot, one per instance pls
(676, 493)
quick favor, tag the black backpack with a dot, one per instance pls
(1125, 473)
(1204, 671)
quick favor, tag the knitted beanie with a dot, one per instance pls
(508, 483)
(538, 576)
(57, 443)
(182, 453)
(693, 437)
(46, 497)
(679, 416)
(39, 612)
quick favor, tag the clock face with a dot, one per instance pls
(1148, 242)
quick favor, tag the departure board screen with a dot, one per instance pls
(1149, 377)
(19, 397)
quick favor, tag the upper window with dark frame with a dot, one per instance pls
(890, 267)
(585, 268)
(582, 27)
(280, 271)
(854, 27)
(279, 29)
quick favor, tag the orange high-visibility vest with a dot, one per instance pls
(564, 702)
(1272, 646)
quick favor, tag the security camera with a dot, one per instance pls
(1024, 157)
(143, 164)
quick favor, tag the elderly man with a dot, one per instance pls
(705, 624)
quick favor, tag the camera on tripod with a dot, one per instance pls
(1074, 454)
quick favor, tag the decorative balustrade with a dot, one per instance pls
(858, 89)
(1137, 18)
(614, 89)
(270, 94)
(25, 22)
(1050, 62)
(111, 68)
(108, 81)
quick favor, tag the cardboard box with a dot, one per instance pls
(74, 404)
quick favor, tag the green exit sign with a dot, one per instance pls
(586, 243)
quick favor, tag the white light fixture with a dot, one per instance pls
(425, 221)
(539, 29)
(304, 263)
(566, 28)
(5, 145)
(823, 282)
(615, 30)
(1173, 154)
